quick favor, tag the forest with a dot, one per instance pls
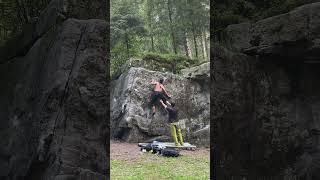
(163, 29)
(16, 14)
(226, 12)
(172, 30)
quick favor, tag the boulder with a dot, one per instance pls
(293, 35)
(53, 101)
(197, 72)
(265, 98)
(131, 119)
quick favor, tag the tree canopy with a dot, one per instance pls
(228, 12)
(15, 14)
(178, 27)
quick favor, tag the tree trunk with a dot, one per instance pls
(150, 25)
(20, 12)
(189, 47)
(206, 45)
(152, 43)
(202, 48)
(136, 4)
(128, 45)
(171, 28)
(24, 10)
(194, 40)
(203, 44)
(185, 44)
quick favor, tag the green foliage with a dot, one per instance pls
(224, 19)
(125, 24)
(162, 27)
(168, 62)
(121, 58)
(281, 6)
(154, 61)
(236, 11)
(15, 14)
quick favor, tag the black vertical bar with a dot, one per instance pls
(107, 45)
(213, 145)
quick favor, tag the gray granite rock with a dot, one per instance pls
(130, 109)
(53, 101)
(294, 35)
(265, 98)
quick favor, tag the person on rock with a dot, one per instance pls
(174, 127)
(159, 93)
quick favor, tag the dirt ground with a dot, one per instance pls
(130, 152)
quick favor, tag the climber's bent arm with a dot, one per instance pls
(165, 91)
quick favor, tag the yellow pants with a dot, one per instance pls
(176, 134)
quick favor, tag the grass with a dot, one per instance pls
(150, 166)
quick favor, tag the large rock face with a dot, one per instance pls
(53, 100)
(266, 97)
(294, 34)
(56, 12)
(130, 108)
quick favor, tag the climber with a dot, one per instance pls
(159, 92)
(175, 129)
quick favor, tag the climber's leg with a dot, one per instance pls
(174, 134)
(164, 99)
(179, 135)
(154, 98)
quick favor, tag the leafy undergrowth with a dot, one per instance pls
(168, 62)
(150, 166)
